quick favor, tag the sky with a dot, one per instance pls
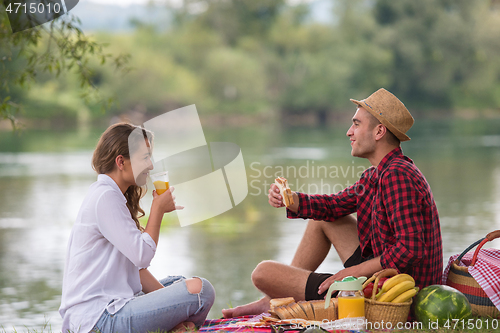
(125, 3)
(122, 3)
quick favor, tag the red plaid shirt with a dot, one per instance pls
(397, 217)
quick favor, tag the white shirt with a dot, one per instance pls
(104, 255)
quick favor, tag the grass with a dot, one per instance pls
(46, 328)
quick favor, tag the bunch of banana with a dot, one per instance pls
(398, 289)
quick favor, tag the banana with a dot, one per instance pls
(406, 295)
(393, 281)
(396, 291)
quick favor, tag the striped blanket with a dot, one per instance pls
(252, 324)
(234, 325)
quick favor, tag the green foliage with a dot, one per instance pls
(252, 57)
(55, 47)
(445, 52)
(236, 79)
(232, 19)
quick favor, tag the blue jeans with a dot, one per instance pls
(160, 310)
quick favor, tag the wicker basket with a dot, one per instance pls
(376, 312)
(459, 278)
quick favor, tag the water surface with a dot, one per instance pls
(44, 177)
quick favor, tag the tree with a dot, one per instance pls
(445, 51)
(55, 47)
(232, 19)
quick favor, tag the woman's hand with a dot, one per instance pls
(166, 201)
(275, 198)
(162, 203)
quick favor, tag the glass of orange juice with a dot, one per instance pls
(160, 181)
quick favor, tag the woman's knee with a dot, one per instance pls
(196, 285)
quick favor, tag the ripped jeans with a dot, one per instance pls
(160, 310)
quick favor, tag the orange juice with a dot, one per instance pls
(160, 186)
(350, 307)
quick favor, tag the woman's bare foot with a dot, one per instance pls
(184, 326)
(254, 308)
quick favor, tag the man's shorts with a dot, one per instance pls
(316, 279)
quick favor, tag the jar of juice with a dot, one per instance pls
(351, 302)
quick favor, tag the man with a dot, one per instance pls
(397, 224)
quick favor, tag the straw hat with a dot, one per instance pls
(390, 111)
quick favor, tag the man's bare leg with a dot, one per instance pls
(278, 280)
(275, 280)
(319, 236)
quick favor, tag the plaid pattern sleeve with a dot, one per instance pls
(326, 207)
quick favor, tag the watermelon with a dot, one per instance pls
(439, 305)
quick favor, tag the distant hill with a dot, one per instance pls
(103, 17)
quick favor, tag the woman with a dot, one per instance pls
(106, 285)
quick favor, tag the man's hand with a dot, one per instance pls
(367, 268)
(350, 271)
(275, 198)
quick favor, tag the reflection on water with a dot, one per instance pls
(40, 194)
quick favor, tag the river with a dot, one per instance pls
(44, 177)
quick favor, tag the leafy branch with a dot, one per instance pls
(55, 47)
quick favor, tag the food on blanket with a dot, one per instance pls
(270, 319)
(297, 311)
(311, 310)
(301, 322)
(275, 302)
(314, 329)
(321, 313)
(441, 303)
(285, 191)
(283, 312)
(406, 296)
(281, 301)
(260, 321)
(393, 281)
(307, 308)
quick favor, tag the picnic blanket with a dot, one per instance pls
(247, 324)
(486, 272)
(231, 325)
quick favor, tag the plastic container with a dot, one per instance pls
(351, 302)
